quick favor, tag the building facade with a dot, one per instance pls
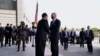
(12, 12)
(21, 13)
(7, 12)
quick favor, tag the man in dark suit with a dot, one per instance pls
(41, 34)
(61, 37)
(89, 38)
(82, 37)
(54, 35)
(65, 35)
(73, 35)
(1, 35)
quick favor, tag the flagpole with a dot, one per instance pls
(36, 13)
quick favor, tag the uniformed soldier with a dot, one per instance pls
(8, 31)
(1, 35)
(14, 35)
(21, 36)
(27, 34)
(33, 33)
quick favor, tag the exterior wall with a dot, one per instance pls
(7, 16)
(8, 12)
(21, 13)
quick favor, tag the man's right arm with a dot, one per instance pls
(47, 27)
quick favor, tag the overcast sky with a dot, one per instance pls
(72, 13)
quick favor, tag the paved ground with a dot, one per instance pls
(72, 51)
(77, 51)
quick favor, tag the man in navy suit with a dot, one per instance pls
(89, 38)
(65, 35)
(82, 37)
(54, 35)
(73, 35)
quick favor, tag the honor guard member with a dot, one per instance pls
(1, 35)
(21, 35)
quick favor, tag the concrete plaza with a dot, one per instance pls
(72, 50)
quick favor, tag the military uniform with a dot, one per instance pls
(21, 37)
(1, 35)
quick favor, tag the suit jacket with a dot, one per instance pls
(54, 28)
(91, 35)
(60, 36)
(82, 34)
(42, 30)
(64, 34)
(73, 35)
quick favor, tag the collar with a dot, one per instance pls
(54, 20)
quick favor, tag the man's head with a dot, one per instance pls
(44, 16)
(33, 23)
(26, 26)
(7, 25)
(22, 23)
(53, 15)
(88, 27)
(14, 26)
(65, 29)
(72, 29)
(82, 29)
(10, 25)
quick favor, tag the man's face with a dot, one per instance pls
(46, 17)
(65, 30)
(11, 25)
(88, 27)
(72, 29)
(82, 29)
(22, 24)
(26, 26)
(53, 15)
(7, 25)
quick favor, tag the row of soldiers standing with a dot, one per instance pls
(14, 35)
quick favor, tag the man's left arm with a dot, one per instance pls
(58, 25)
(92, 34)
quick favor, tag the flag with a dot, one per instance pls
(36, 13)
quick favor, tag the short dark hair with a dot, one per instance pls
(44, 15)
(7, 23)
(22, 22)
(82, 29)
